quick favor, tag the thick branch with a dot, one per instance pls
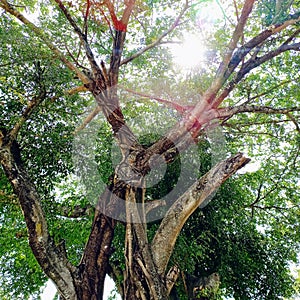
(205, 110)
(242, 52)
(250, 65)
(171, 225)
(51, 257)
(239, 29)
(120, 25)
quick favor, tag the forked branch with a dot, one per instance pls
(238, 32)
(83, 37)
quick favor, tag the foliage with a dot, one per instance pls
(249, 232)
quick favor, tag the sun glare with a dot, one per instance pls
(190, 53)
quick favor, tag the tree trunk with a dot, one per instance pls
(141, 285)
(142, 280)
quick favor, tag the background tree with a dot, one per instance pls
(100, 52)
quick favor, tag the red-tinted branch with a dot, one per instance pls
(120, 25)
(86, 16)
(180, 108)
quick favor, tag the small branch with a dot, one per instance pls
(291, 117)
(252, 133)
(172, 277)
(159, 40)
(75, 212)
(31, 106)
(237, 126)
(70, 19)
(76, 90)
(228, 112)
(146, 273)
(88, 119)
(272, 89)
(86, 16)
(269, 207)
(154, 204)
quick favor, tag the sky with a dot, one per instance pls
(50, 290)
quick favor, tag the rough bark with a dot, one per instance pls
(171, 225)
(83, 282)
(51, 257)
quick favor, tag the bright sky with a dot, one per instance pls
(50, 290)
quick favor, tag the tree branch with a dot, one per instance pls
(180, 108)
(88, 119)
(75, 212)
(120, 25)
(238, 32)
(40, 34)
(228, 112)
(31, 106)
(86, 16)
(83, 37)
(250, 65)
(171, 225)
(242, 52)
(160, 38)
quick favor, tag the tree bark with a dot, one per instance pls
(51, 257)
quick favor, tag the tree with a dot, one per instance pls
(87, 50)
